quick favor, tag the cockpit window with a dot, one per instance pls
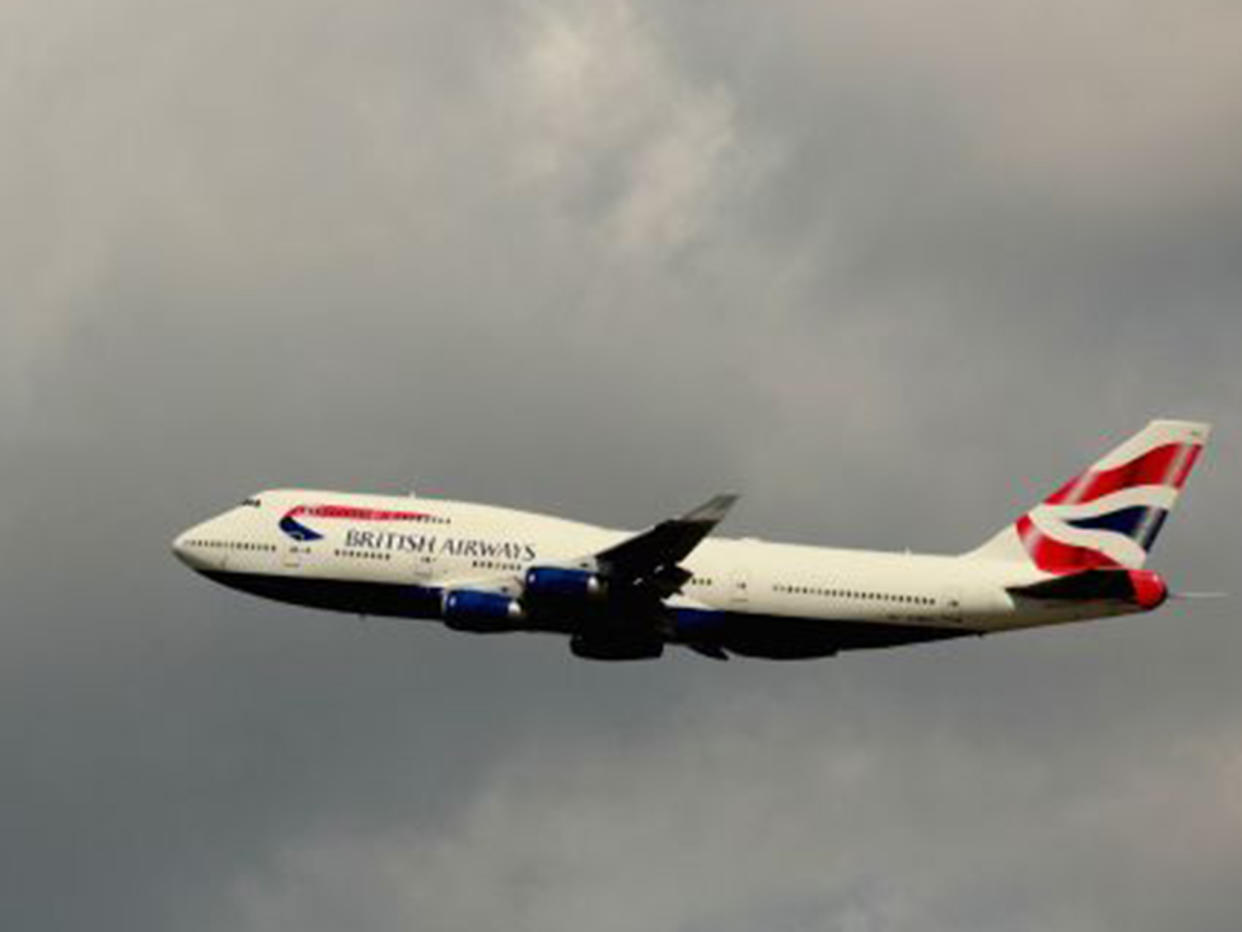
(252, 503)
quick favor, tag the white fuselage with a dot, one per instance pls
(454, 545)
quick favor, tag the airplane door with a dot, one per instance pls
(422, 569)
(739, 593)
(951, 606)
(293, 554)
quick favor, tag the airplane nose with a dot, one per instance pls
(187, 547)
(180, 546)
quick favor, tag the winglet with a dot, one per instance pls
(711, 512)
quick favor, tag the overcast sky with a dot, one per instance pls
(891, 270)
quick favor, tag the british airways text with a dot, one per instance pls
(432, 544)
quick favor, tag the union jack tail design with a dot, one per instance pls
(1108, 516)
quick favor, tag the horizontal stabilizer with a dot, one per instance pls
(1139, 587)
(1088, 585)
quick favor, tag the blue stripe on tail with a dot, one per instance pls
(1138, 522)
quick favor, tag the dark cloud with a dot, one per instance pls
(891, 272)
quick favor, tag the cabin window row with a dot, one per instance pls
(231, 545)
(494, 565)
(364, 554)
(899, 598)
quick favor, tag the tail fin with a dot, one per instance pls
(1108, 516)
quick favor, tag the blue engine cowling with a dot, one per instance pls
(470, 610)
(551, 581)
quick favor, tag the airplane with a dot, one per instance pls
(620, 595)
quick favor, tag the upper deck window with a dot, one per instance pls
(252, 503)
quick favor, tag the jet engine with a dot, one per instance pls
(555, 582)
(481, 612)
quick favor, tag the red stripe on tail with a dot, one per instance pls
(1168, 465)
(1052, 556)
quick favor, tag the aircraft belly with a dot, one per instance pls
(774, 637)
(783, 637)
(353, 596)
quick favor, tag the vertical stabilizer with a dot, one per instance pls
(1108, 516)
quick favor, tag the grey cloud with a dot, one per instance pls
(891, 272)
(773, 810)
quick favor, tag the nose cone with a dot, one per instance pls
(181, 547)
(188, 548)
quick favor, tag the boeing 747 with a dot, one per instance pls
(620, 595)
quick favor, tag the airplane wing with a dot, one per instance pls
(619, 591)
(652, 557)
